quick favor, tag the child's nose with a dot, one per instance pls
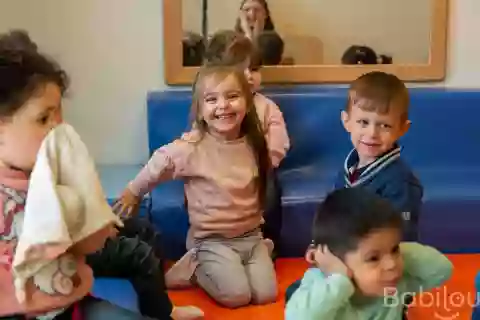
(389, 264)
(222, 103)
(58, 116)
(372, 130)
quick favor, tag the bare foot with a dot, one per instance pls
(187, 313)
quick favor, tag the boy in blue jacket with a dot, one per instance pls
(376, 117)
(360, 268)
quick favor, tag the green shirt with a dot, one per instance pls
(322, 297)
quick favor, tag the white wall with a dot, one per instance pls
(337, 24)
(112, 49)
(113, 52)
(463, 68)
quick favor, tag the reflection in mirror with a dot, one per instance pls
(315, 32)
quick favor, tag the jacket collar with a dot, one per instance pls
(372, 169)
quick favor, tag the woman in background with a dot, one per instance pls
(254, 18)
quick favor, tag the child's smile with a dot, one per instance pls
(223, 107)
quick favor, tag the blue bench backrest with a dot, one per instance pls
(444, 129)
(441, 148)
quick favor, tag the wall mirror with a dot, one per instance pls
(314, 41)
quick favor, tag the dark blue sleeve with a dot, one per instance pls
(339, 180)
(406, 196)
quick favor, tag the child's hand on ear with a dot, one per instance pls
(326, 261)
(125, 205)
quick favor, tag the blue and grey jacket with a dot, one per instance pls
(391, 178)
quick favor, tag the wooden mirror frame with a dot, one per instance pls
(434, 70)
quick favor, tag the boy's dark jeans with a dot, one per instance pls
(136, 255)
(273, 212)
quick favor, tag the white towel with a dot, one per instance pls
(65, 204)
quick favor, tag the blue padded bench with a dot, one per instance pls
(442, 147)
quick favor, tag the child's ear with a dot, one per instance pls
(345, 120)
(406, 126)
(310, 255)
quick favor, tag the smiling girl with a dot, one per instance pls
(224, 163)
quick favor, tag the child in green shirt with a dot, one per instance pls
(360, 268)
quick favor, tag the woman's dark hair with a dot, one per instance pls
(250, 128)
(268, 20)
(348, 215)
(24, 71)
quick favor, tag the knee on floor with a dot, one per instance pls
(234, 297)
(264, 295)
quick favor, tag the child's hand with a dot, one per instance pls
(125, 205)
(326, 261)
(259, 25)
(244, 25)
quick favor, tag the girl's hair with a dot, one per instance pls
(228, 48)
(17, 40)
(268, 20)
(231, 48)
(24, 71)
(250, 128)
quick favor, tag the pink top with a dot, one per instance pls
(220, 182)
(13, 191)
(274, 128)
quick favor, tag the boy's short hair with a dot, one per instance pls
(23, 71)
(348, 215)
(228, 48)
(379, 92)
(270, 46)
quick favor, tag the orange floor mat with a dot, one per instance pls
(454, 302)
